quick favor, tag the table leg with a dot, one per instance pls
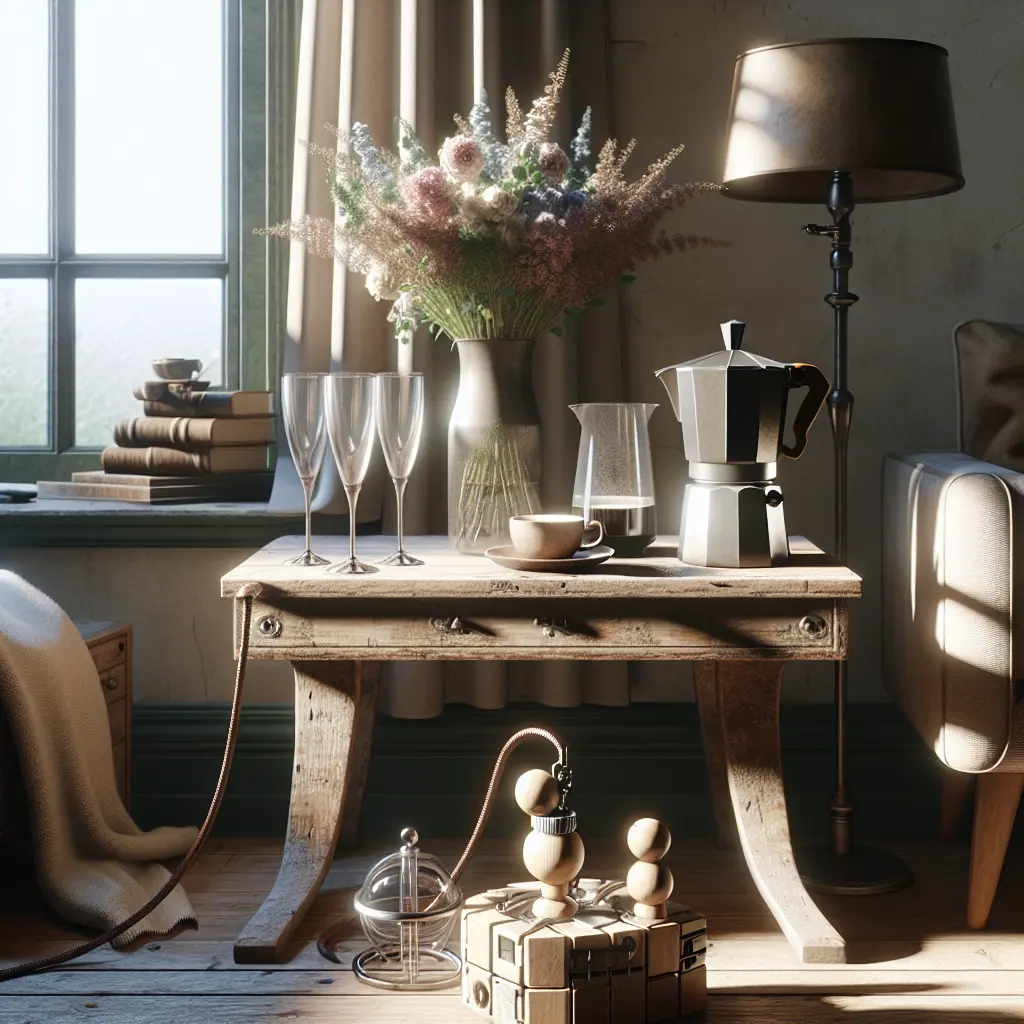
(705, 685)
(359, 758)
(748, 703)
(328, 695)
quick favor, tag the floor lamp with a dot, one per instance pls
(839, 122)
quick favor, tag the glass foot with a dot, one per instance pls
(307, 558)
(353, 567)
(400, 558)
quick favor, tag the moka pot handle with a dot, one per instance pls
(817, 384)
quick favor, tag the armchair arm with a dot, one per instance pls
(949, 580)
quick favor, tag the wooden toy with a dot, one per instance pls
(583, 954)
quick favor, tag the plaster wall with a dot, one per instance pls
(181, 627)
(920, 267)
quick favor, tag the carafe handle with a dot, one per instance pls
(805, 374)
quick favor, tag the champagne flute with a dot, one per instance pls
(302, 400)
(351, 400)
(400, 424)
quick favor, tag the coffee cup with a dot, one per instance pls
(553, 536)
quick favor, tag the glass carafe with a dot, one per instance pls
(614, 477)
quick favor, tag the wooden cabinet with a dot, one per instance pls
(110, 645)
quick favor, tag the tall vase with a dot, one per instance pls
(494, 443)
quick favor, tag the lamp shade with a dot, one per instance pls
(880, 109)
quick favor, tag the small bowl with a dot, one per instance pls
(177, 369)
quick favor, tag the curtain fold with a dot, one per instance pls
(370, 60)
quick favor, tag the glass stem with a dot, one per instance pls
(400, 496)
(352, 493)
(307, 492)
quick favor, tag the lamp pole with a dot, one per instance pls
(839, 867)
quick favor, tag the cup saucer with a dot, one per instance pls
(508, 558)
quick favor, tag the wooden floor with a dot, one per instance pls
(913, 960)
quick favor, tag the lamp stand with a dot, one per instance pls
(839, 867)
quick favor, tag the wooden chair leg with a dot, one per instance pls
(954, 796)
(995, 806)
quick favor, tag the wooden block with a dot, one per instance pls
(582, 935)
(476, 988)
(693, 991)
(617, 931)
(693, 947)
(662, 947)
(689, 921)
(477, 926)
(537, 961)
(591, 1000)
(628, 997)
(546, 1006)
(512, 1004)
(663, 998)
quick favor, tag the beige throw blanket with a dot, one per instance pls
(93, 863)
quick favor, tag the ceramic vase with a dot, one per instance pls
(494, 443)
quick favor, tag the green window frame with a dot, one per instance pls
(260, 57)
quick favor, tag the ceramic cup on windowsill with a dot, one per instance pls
(178, 369)
(553, 536)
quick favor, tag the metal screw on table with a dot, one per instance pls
(270, 628)
(813, 626)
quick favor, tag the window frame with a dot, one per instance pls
(62, 267)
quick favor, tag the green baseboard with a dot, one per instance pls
(646, 759)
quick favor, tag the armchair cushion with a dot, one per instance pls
(990, 367)
(951, 584)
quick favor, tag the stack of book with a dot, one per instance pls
(190, 445)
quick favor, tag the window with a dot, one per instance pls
(119, 201)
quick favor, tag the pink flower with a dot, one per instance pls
(461, 158)
(552, 161)
(428, 194)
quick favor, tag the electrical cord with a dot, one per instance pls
(245, 593)
(323, 943)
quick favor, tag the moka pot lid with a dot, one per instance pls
(731, 357)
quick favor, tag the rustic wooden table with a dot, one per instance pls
(740, 626)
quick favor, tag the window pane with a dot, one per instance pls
(24, 127)
(121, 327)
(24, 362)
(149, 127)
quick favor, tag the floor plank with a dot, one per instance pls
(913, 959)
(420, 1009)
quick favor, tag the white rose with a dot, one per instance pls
(380, 284)
(499, 203)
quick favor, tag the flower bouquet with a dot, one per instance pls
(497, 242)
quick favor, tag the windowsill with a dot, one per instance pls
(50, 522)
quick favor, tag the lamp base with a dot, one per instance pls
(864, 871)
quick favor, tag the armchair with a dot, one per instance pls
(953, 582)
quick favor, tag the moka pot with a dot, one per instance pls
(732, 408)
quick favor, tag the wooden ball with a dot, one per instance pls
(648, 839)
(554, 910)
(649, 883)
(537, 792)
(553, 860)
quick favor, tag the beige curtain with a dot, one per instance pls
(370, 60)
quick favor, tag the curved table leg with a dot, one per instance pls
(748, 702)
(328, 696)
(705, 686)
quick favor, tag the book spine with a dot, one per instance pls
(154, 461)
(187, 435)
(196, 405)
